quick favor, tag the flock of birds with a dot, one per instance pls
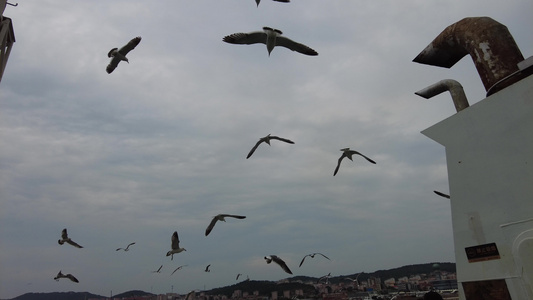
(271, 38)
(175, 249)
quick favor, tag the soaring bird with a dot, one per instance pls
(346, 152)
(284, 1)
(190, 295)
(220, 217)
(324, 277)
(267, 139)
(118, 55)
(69, 276)
(158, 270)
(442, 194)
(207, 269)
(279, 261)
(127, 248)
(238, 275)
(175, 246)
(271, 38)
(178, 268)
(65, 238)
(312, 255)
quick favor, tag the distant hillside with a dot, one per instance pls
(58, 296)
(133, 293)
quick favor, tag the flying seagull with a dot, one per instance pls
(190, 295)
(271, 38)
(207, 269)
(69, 276)
(312, 255)
(118, 55)
(324, 277)
(284, 1)
(442, 194)
(267, 139)
(65, 238)
(178, 268)
(348, 153)
(238, 275)
(219, 217)
(127, 248)
(279, 261)
(158, 270)
(175, 246)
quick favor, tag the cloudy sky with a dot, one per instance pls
(160, 144)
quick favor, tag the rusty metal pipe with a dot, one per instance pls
(489, 43)
(455, 88)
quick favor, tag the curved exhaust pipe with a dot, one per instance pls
(489, 43)
(455, 88)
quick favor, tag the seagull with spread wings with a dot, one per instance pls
(271, 38)
(346, 152)
(267, 139)
(279, 261)
(127, 248)
(118, 55)
(158, 270)
(220, 217)
(66, 239)
(175, 245)
(69, 276)
(312, 255)
(178, 268)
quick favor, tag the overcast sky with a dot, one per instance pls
(160, 144)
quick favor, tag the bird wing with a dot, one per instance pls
(338, 164)
(442, 194)
(64, 234)
(211, 225)
(74, 243)
(281, 263)
(189, 295)
(237, 276)
(130, 46)
(285, 1)
(246, 38)
(323, 255)
(294, 46)
(175, 240)
(235, 216)
(367, 158)
(175, 270)
(112, 64)
(255, 147)
(281, 139)
(303, 260)
(71, 277)
(118, 249)
(207, 268)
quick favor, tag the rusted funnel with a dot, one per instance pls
(489, 43)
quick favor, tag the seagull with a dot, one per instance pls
(279, 261)
(284, 1)
(127, 248)
(118, 55)
(271, 38)
(237, 278)
(175, 246)
(65, 238)
(69, 276)
(190, 294)
(178, 268)
(442, 194)
(348, 153)
(312, 255)
(219, 217)
(158, 270)
(326, 277)
(267, 139)
(207, 269)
